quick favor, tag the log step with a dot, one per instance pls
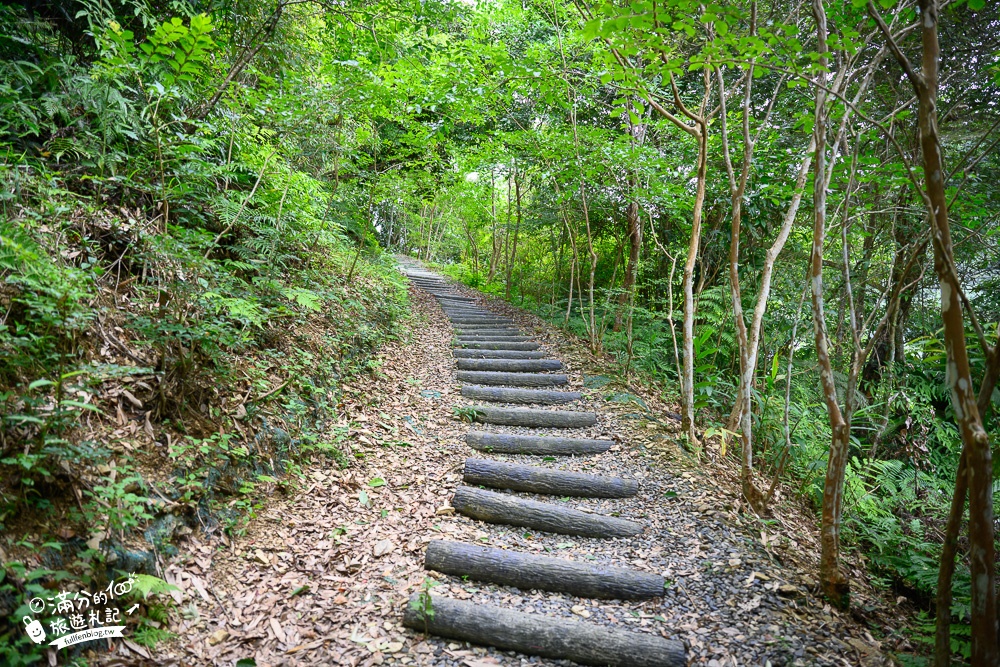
(508, 365)
(510, 510)
(479, 319)
(472, 328)
(534, 634)
(493, 333)
(505, 443)
(529, 396)
(515, 337)
(511, 379)
(534, 418)
(535, 479)
(543, 573)
(462, 353)
(500, 346)
(506, 331)
(459, 322)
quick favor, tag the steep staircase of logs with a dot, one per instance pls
(498, 364)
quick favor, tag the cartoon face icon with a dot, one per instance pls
(34, 630)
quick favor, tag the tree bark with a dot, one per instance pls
(511, 510)
(976, 452)
(533, 479)
(497, 354)
(509, 365)
(501, 346)
(545, 636)
(527, 396)
(534, 418)
(544, 573)
(832, 581)
(504, 443)
(512, 379)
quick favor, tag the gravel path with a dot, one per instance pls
(321, 577)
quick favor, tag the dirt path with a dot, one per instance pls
(322, 577)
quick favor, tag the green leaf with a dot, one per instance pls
(376, 482)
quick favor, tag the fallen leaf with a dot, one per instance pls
(382, 547)
(217, 637)
(278, 631)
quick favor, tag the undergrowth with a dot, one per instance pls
(180, 299)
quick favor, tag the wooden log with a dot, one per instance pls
(495, 354)
(462, 321)
(529, 396)
(543, 573)
(473, 328)
(510, 510)
(513, 337)
(511, 379)
(498, 330)
(534, 634)
(535, 479)
(488, 332)
(500, 346)
(534, 418)
(505, 443)
(509, 365)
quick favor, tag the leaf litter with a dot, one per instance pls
(321, 577)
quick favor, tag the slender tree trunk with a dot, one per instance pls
(593, 333)
(832, 581)
(517, 229)
(637, 132)
(687, 329)
(975, 444)
(634, 248)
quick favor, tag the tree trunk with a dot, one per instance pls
(496, 354)
(516, 379)
(832, 581)
(632, 266)
(534, 418)
(517, 229)
(537, 445)
(534, 634)
(509, 365)
(975, 444)
(534, 479)
(525, 396)
(515, 511)
(545, 573)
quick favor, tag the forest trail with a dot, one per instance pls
(323, 577)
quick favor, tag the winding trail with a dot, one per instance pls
(325, 576)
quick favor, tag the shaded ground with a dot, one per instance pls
(321, 577)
